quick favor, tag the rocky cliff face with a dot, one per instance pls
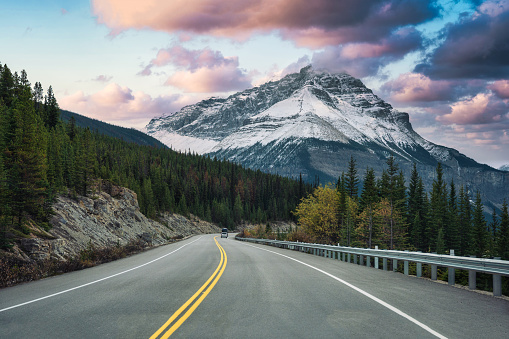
(105, 219)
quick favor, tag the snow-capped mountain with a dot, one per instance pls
(309, 123)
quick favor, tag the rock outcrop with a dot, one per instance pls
(102, 220)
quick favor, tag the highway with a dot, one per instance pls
(230, 289)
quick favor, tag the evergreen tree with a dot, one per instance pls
(392, 188)
(38, 98)
(368, 198)
(7, 86)
(417, 211)
(26, 160)
(493, 233)
(51, 109)
(342, 207)
(351, 179)
(503, 234)
(464, 223)
(237, 210)
(452, 237)
(438, 209)
(480, 236)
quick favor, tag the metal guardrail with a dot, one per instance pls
(495, 267)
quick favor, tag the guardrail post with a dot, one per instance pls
(472, 278)
(349, 261)
(361, 260)
(376, 259)
(394, 265)
(385, 264)
(433, 270)
(368, 261)
(406, 267)
(343, 255)
(451, 272)
(497, 283)
(355, 259)
(418, 272)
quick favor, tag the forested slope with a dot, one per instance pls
(43, 157)
(126, 134)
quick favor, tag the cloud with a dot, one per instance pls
(313, 24)
(121, 105)
(200, 71)
(366, 59)
(418, 89)
(221, 78)
(475, 47)
(415, 87)
(484, 108)
(500, 88)
(103, 78)
(188, 59)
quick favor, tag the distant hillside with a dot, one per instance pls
(126, 134)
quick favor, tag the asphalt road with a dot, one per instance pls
(244, 291)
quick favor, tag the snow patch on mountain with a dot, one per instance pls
(184, 143)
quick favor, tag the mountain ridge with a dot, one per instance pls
(310, 123)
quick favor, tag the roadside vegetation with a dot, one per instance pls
(388, 214)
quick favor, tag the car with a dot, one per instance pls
(224, 233)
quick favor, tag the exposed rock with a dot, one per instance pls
(104, 220)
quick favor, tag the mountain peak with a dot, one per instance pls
(308, 123)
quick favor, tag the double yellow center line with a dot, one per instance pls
(193, 303)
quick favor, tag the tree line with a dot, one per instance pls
(391, 215)
(41, 157)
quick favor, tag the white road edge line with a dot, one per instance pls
(96, 281)
(381, 302)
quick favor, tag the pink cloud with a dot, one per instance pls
(221, 78)
(365, 59)
(500, 88)
(411, 87)
(314, 24)
(122, 106)
(191, 59)
(200, 71)
(469, 111)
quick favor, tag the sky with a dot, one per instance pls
(445, 62)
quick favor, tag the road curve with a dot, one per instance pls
(262, 292)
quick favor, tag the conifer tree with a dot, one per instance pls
(480, 236)
(503, 234)
(437, 211)
(416, 207)
(368, 198)
(452, 239)
(352, 181)
(7, 86)
(51, 109)
(38, 93)
(493, 229)
(464, 222)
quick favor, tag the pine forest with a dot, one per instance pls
(42, 156)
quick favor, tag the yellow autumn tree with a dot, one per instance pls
(317, 214)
